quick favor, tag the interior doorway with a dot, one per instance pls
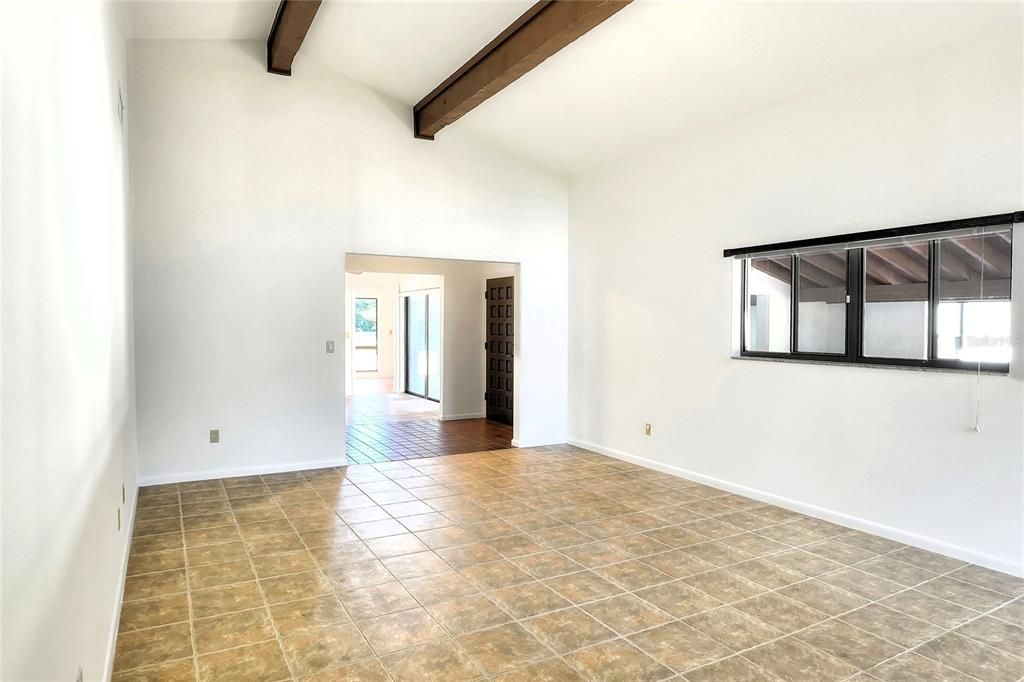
(418, 358)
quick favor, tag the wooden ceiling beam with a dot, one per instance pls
(540, 32)
(294, 17)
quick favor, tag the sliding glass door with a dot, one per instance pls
(423, 345)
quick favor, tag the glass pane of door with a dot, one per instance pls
(433, 347)
(416, 361)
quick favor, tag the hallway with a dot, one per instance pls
(382, 427)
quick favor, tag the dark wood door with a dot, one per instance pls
(500, 297)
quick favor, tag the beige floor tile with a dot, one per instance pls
(528, 599)
(442, 661)
(216, 554)
(897, 571)
(401, 630)
(215, 575)
(678, 599)
(920, 605)
(973, 658)
(626, 613)
(438, 587)
(781, 613)
(823, 597)
(292, 618)
(153, 645)
(724, 586)
(679, 646)
(794, 661)
(155, 562)
(355, 576)
(567, 630)
(182, 670)
(295, 586)
(963, 594)
(990, 580)
(231, 630)
(678, 564)
(371, 670)
(396, 545)
(502, 648)
(617, 661)
(283, 563)
(220, 600)
(734, 628)
(273, 544)
(257, 663)
(582, 587)
(551, 670)
(377, 600)
(735, 669)
(893, 626)
(149, 585)
(466, 614)
(995, 633)
(148, 613)
(849, 644)
(330, 647)
(496, 574)
(547, 564)
(910, 667)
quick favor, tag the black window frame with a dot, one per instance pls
(855, 245)
(376, 333)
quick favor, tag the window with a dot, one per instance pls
(364, 341)
(926, 296)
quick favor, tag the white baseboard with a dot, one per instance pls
(523, 443)
(924, 542)
(185, 477)
(468, 415)
(129, 527)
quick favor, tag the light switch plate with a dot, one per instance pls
(330, 346)
(214, 435)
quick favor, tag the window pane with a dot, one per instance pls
(973, 318)
(821, 297)
(434, 346)
(896, 301)
(364, 338)
(416, 344)
(767, 308)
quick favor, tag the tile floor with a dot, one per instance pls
(396, 426)
(538, 564)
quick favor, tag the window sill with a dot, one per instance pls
(871, 365)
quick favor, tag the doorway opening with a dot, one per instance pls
(429, 357)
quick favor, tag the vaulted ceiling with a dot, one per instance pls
(655, 70)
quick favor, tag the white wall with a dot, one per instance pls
(68, 404)
(463, 313)
(889, 450)
(249, 189)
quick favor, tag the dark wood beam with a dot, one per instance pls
(293, 20)
(903, 260)
(540, 32)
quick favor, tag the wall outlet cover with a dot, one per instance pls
(214, 435)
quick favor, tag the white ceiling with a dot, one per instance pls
(654, 70)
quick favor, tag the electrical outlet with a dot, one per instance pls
(214, 435)
(647, 429)
(330, 346)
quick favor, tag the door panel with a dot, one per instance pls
(500, 348)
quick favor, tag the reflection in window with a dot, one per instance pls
(896, 301)
(821, 295)
(972, 322)
(767, 305)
